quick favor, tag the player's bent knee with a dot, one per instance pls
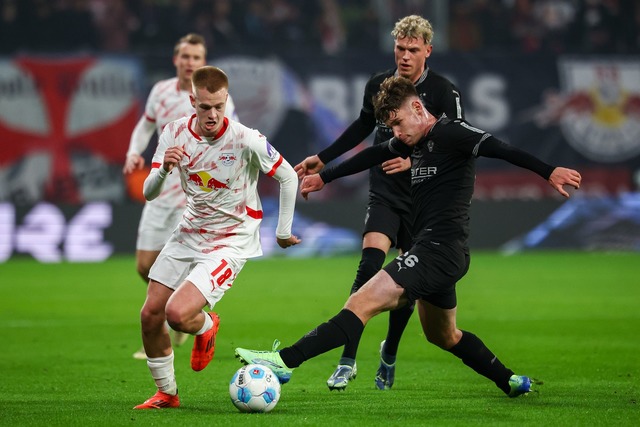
(150, 319)
(441, 340)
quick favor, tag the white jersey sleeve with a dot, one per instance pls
(141, 136)
(272, 164)
(157, 176)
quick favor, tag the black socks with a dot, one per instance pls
(370, 263)
(398, 320)
(478, 357)
(343, 328)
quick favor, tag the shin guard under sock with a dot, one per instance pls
(478, 357)
(398, 320)
(339, 330)
(370, 263)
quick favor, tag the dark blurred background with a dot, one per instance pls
(560, 79)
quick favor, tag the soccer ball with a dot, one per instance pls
(254, 388)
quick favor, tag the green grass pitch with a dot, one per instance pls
(571, 320)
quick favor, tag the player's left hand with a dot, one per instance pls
(309, 184)
(285, 243)
(396, 165)
(563, 176)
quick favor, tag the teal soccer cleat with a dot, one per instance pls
(270, 359)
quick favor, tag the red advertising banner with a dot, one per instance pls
(65, 125)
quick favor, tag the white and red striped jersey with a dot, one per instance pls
(166, 103)
(219, 177)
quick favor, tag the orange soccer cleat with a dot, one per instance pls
(205, 345)
(160, 400)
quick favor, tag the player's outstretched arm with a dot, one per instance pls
(563, 176)
(288, 180)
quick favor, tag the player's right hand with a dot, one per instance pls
(172, 157)
(309, 184)
(309, 166)
(133, 162)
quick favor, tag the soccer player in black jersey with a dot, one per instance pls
(443, 154)
(388, 222)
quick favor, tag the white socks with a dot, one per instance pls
(208, 324)
(163, 373)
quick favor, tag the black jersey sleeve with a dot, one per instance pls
(352, 136)
(359, 129)
(494, 148)
(367, 158)
(451, 102)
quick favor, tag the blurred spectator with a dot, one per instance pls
(332, 32)
(524, 28)
(74, 24)
(596, 26)
(361, 23)
(465, 34)
(116, 24)
(554, 17)
(9, 25)
(325, 27)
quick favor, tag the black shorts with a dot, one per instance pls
(430, 270)
(393, 223)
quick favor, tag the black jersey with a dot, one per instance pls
(442, 174)
(439, 96)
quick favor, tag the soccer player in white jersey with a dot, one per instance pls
(168, 101)
(218, 161)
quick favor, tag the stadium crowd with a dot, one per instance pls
(326, 27)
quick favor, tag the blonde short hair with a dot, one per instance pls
(191, 38)
(415, 27)
(210, 78)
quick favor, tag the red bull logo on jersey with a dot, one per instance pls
(598, 110)
(206, 182)
(227, 159)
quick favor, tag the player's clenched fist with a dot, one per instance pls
(171, 157)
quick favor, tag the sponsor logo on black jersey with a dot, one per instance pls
(419, 174)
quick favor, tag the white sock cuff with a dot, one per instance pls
(208, 324)
(159, 361)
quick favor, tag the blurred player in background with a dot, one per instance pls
(168, 101)
(388, 219)
(217, 161)
(443, 154)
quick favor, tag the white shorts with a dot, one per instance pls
(213, 275)
(156, 225)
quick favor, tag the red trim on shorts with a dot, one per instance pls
(152, 120)
(273, 169)
(156, 165)
(254, 213)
